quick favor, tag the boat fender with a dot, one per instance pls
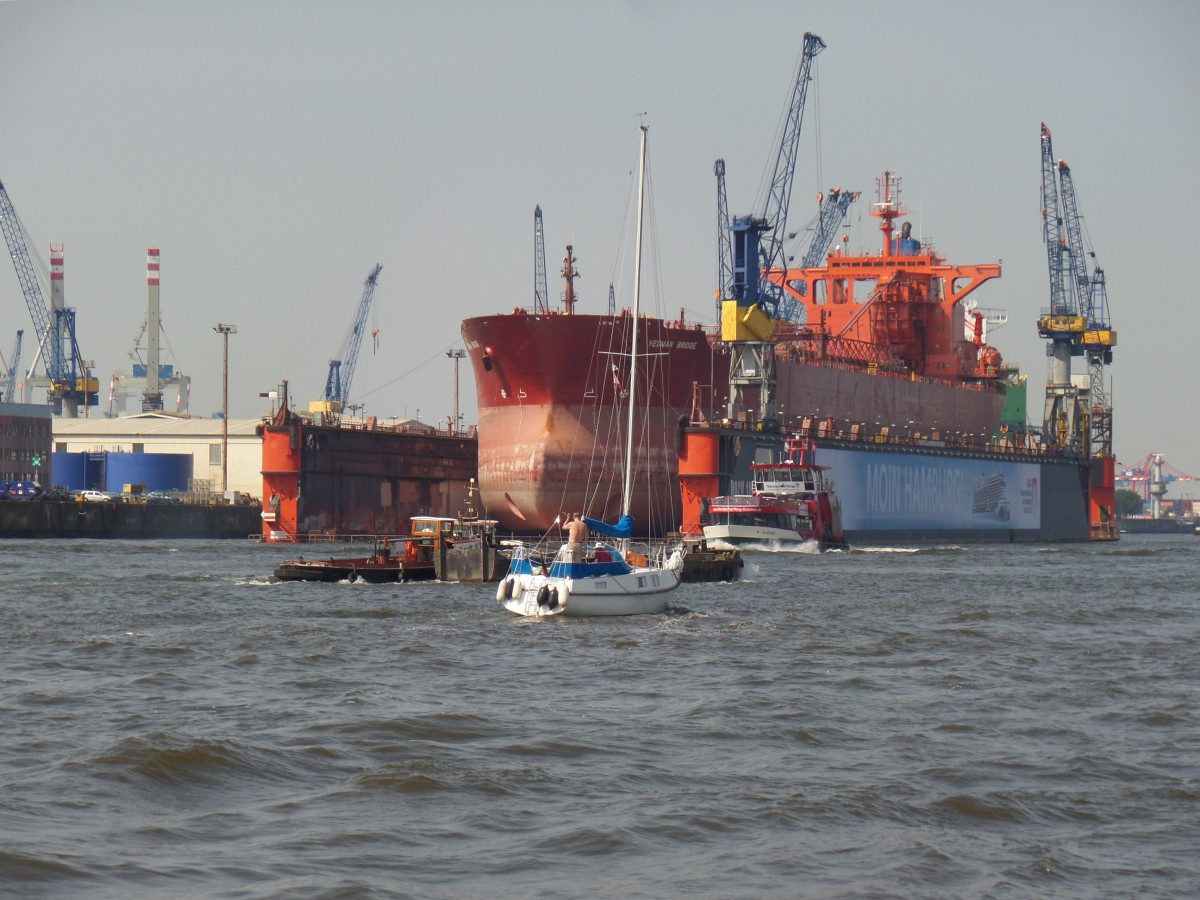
(564, 594)
(502, 591)
(543, 596)
(552, 602)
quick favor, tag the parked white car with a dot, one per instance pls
(94, 496)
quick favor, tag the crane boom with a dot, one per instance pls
(1090, 293)
(1076, 258)
(341, 369)
(11, 367)
(15, 238)
(55, 337)
(779, 197)
(833, 209)
(724, 239)
(1052, 232)
(541, 296)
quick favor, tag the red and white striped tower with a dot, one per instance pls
(152, 395)
(57, 299)
(66, 402)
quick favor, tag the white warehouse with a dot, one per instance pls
(164, 432)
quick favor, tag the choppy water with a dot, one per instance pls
(974, 722)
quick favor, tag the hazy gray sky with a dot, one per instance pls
(276, 151)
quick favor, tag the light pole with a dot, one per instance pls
(455, 355)
(225, 331)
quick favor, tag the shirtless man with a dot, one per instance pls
(577, 535)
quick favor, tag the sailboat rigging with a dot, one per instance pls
(606, 582)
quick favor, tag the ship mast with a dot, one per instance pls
(627, 490)
(569, 274)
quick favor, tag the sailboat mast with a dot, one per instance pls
(627, 491)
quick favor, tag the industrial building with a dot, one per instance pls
(170, 433)
(25, 441)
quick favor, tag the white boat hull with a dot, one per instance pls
(642, 591)
(733, 536)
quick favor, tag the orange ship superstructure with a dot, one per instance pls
(900, 311)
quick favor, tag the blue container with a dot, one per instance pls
(69, 470)
(157, 471)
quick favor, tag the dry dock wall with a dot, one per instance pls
(59, 519)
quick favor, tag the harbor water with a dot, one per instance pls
(975, 721)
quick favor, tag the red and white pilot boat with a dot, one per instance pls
(791, 503)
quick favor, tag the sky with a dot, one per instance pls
(276, 151)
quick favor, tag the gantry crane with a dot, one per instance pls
(57, 346)
(541, 296)
(11, 367)
(341, 368)
(1150, 477)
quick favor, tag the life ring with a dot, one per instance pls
(543, 596)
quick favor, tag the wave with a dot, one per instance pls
(25, 868)
(948, 548)
(168, 760)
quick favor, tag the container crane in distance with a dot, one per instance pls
(70, 381)
(341, 368)
(11, 367)
(1150, 477)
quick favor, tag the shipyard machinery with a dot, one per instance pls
(832, 208)
(541, 291)
(341, 368)
(1077, 325)
(750, 302)
(11, 367)
(69, 381)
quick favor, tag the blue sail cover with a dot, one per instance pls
(623, 528)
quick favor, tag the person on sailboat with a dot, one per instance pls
(577, 535)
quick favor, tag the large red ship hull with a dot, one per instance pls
(551, 419)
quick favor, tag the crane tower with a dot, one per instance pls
(341, 368)
(69, 380)
(1077, 325)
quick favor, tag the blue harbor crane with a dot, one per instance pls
(754, 302)
(11, 367)
(341, 368)
(1076, 324)
(773, 225)
(833, 208)
(70, 382)
(724, 239)
(1063, 323)
(1096, 342)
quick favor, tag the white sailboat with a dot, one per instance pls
(609, 580)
